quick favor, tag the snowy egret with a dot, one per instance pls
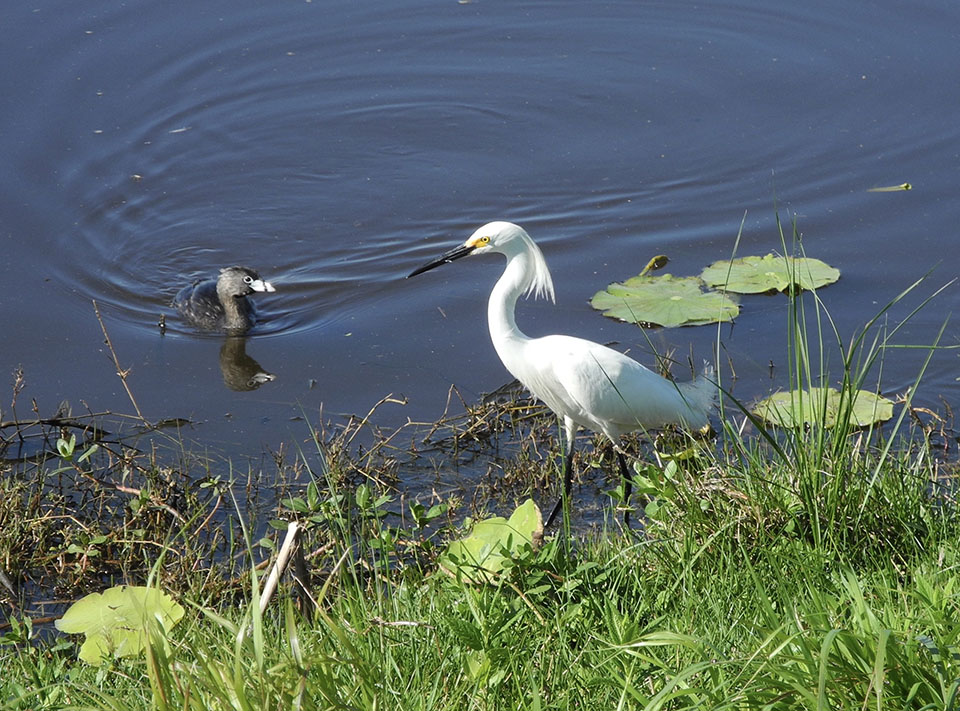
(584, 383)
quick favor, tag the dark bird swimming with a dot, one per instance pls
(222, 304)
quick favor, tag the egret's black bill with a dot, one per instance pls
(454, 254)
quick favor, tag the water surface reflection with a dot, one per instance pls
(337, 145)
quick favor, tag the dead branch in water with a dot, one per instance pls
(116, 361)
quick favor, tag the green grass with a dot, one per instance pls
(814, 568)
(670, 622)
(759, 584)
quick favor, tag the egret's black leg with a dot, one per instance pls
(627, 487)
(567, 483)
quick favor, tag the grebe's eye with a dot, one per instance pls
(248, 279)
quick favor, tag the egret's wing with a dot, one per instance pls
(603, 389)
(550, 372)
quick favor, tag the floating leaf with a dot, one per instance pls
(665, 301)
(755, 275)
(483, 554)
(891, 188)
(791, 409)
(117, 621)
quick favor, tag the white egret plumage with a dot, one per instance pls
(586, 384)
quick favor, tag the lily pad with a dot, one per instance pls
(791, 409)
(755, 275)
(665, 301)
(482, 555)
(117, 622)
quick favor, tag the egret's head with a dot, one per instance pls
(503, 238)
(492, 237)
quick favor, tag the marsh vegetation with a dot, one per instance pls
(811, 566)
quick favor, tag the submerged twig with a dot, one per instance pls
(116, 361)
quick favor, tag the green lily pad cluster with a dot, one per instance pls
(670, 301)
(757, 275)
(117, 622)
(486, 552)
(664, 301)
(822, 406)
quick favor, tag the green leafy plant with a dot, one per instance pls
(492, 543)
(824, 406)
(664, 300)
(756, 275)
(119, 621)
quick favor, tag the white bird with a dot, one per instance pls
(586, 384)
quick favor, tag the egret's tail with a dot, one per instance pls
(700, 396)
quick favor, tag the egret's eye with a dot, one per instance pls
(483, 241)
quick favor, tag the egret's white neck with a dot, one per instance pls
(514, 281)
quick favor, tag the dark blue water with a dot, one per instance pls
(334, 146)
